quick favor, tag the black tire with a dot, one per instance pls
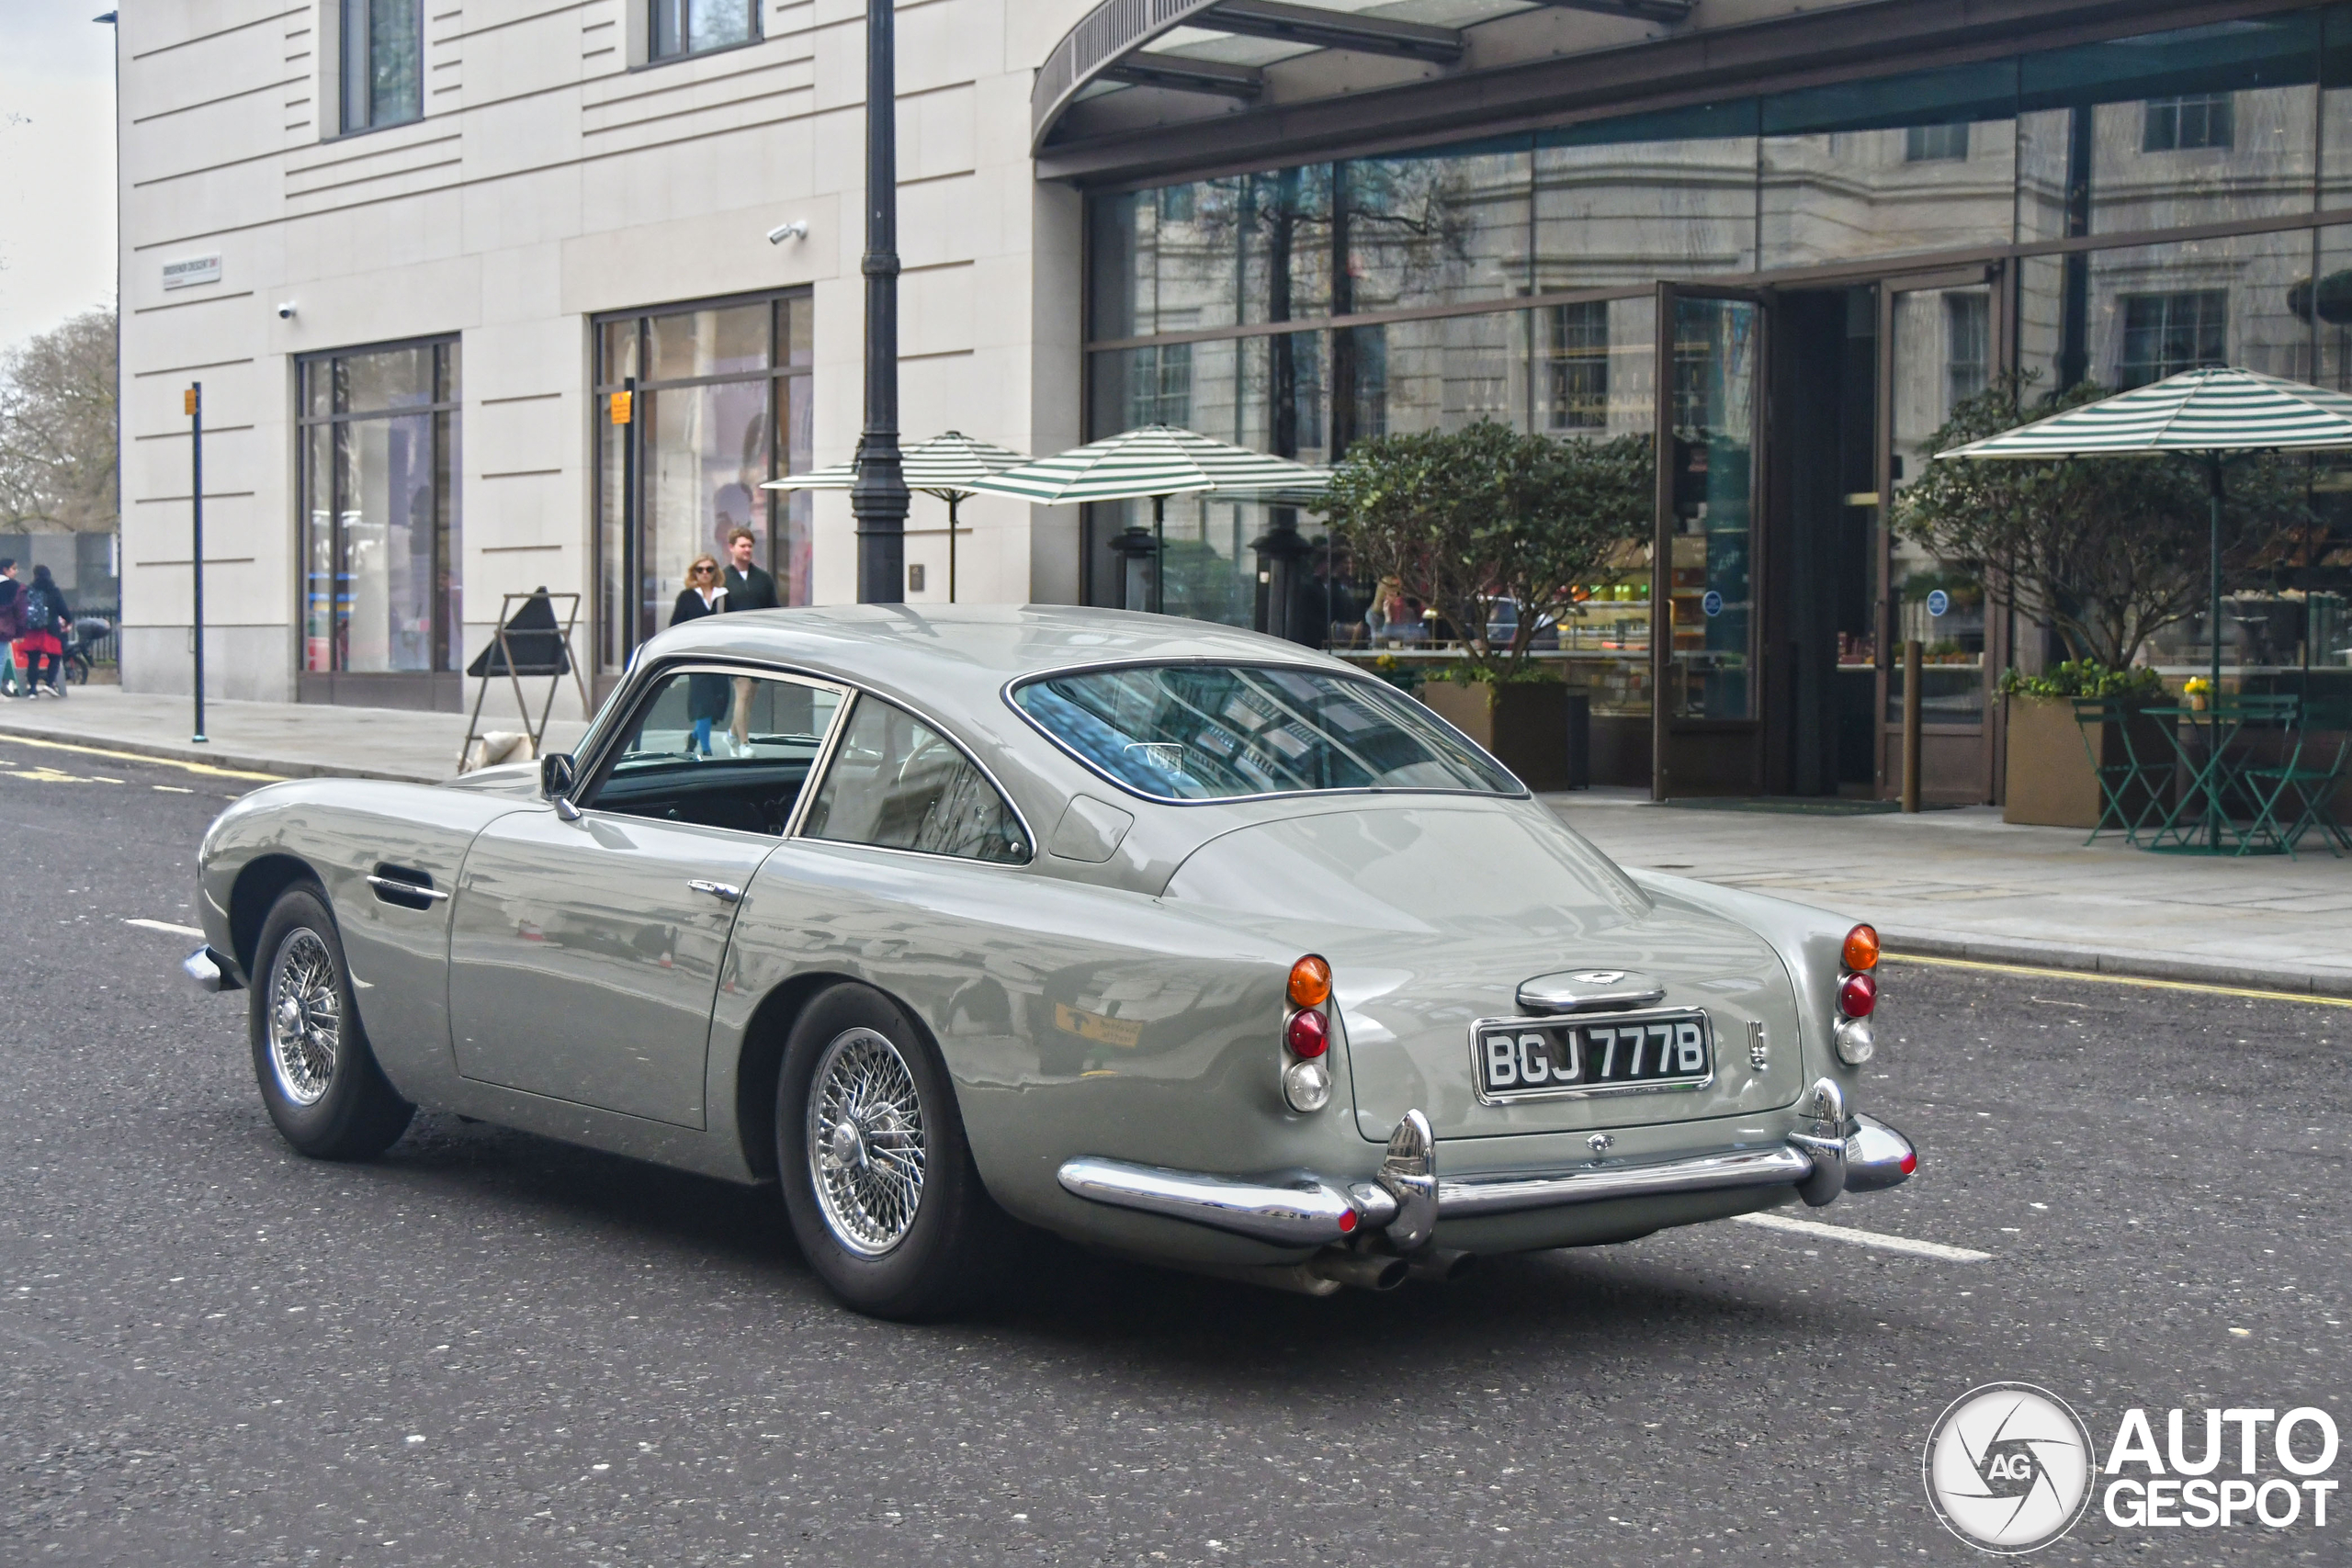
(950, 1253)
(329, 1103)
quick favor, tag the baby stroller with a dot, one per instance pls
(87, 631)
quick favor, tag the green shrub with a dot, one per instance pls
(2084, 678)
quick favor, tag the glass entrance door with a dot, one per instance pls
(1708, 577)
(1940, 337)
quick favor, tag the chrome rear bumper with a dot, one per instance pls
(1407, 1199)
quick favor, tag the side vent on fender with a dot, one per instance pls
(405, 886)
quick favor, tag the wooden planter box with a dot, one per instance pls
(1524, 723)
(2051, 783)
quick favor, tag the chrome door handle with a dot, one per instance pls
(718, 890)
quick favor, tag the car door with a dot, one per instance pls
(585, 946)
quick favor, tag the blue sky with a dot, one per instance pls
(57, 223)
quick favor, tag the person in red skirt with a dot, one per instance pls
(40, 648)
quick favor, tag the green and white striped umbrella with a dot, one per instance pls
(2201, 414)
(2197, 411)
(1155, 461)
(949, 466)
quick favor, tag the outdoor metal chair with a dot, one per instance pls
(2305, 782)
(2128, 790)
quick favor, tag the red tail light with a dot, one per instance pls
(1856, 995)
(1308, 1036)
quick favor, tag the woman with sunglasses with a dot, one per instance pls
(706, 695)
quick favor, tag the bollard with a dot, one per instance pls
(1911, 725)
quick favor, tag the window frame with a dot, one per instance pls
(800, 298)
(601, 746)
(645, 17)
(340, 72)
(822, 775)
(609, 738)
(449, 628)
(1012, 687)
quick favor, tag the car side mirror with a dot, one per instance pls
(556, 777)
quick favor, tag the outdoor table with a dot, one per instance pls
(2210, 777)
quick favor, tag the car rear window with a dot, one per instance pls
(1225, 731)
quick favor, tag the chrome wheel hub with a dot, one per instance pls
(305, 1017)
(868, 1143)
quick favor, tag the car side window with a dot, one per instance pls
(898, 783)
(719, 750)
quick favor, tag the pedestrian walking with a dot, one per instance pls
(748, 587)
(706, 695)
(12, 626)
(41, 643)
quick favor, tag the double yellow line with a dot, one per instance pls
(207, 769)
(2031, 973)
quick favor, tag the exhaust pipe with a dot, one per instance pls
(1370, 1272)
(1438, 1265)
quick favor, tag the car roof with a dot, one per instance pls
(961, 651)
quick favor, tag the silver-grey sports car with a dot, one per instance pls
(1187, 944)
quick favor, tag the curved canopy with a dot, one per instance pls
(1155, 459)
(1222, 51)
(2197, 411)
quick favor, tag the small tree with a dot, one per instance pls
(57, 429)
(1464, 518)
(2109, 551)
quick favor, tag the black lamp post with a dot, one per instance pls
(878, 497)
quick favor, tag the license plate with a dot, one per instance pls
(1519, 1059)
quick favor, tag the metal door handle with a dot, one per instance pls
(717, 890)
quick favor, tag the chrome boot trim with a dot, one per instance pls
(1588, 990)
(1409, 1173)
(1287, 1211)
(1464, 1197)
(1877, 1156)
(1823, 1143)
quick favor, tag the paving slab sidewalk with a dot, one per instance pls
(288, 739)
(1953, 884)
(1966, 884)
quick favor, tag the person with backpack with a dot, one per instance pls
(41, 643)
(12, 626)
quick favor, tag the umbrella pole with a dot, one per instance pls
(1159, 554)
(2214, 696)
(953, 497)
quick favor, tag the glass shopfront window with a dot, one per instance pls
(380, 586)
(1889, 166)
(723, 405)
(2005, 214)
(1627, 201)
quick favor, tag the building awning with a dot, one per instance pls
(1128, 63)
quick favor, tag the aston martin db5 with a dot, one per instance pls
(1188, 946)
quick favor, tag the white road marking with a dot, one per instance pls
(1866, 1238)
(165, 925)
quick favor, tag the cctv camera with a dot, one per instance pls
(286, 311)
(795, 229)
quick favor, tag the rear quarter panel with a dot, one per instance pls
(1074, 1019)
(340, 830)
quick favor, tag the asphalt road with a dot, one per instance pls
(490, 1349)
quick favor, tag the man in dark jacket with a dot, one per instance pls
(748, 587)
(12, 625)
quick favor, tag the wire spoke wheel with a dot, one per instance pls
(868, 1143)
(305, 1017)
